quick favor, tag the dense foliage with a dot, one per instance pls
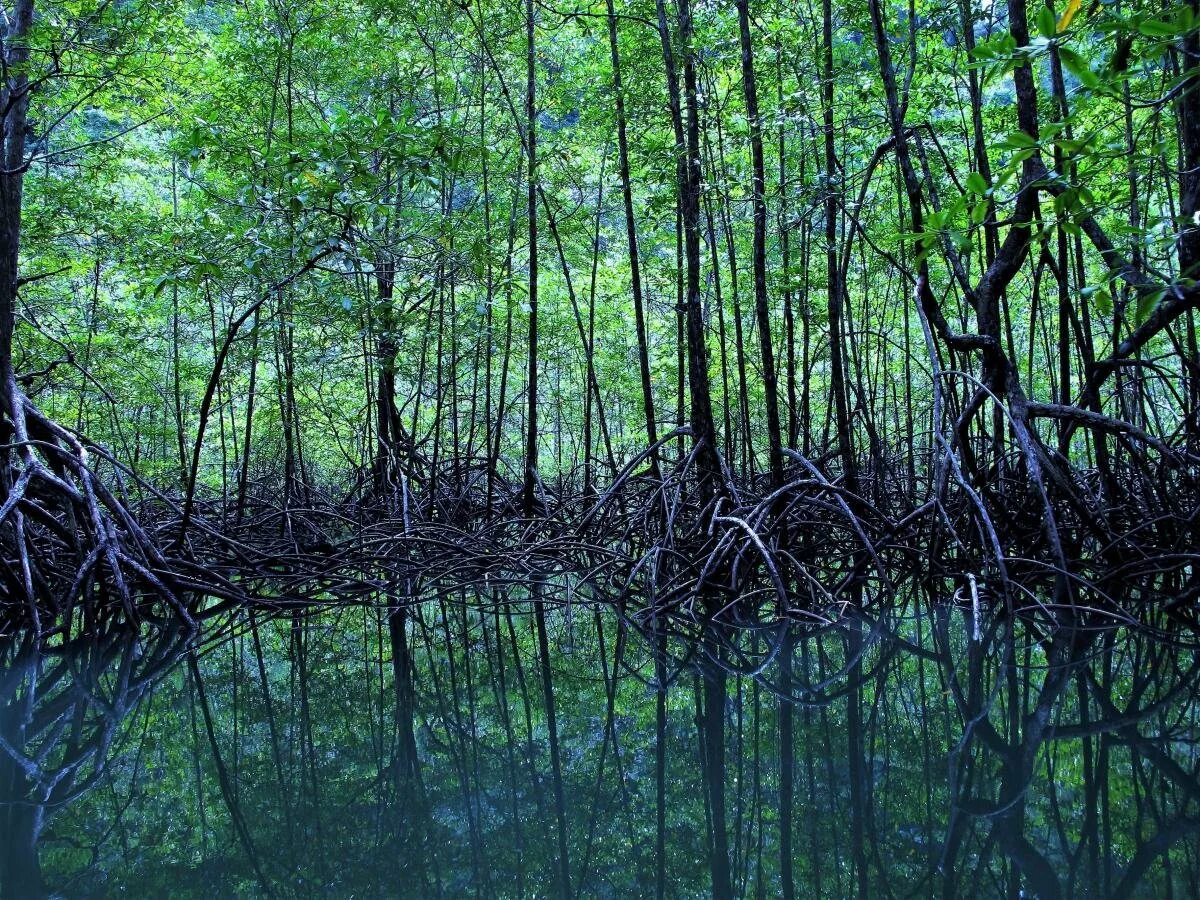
(184, 162)
(810, 298)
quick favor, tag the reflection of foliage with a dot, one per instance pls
(305, 728)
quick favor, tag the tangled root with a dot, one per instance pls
(65, 537)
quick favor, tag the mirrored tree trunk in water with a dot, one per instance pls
(66, 717)
(408, 749)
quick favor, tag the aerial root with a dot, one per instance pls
(659, 539)
(64, 535)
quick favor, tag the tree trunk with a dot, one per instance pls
(529, 499)
(635, 264)
(758, 192)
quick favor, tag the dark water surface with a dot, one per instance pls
(344, 753)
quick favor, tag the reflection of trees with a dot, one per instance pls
(60, 711)
(1024, 690)
(1072, 767)
(905, 755)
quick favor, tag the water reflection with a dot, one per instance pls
(357, 752)
(65, 717)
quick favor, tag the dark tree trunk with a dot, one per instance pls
(704, 431)
(531, 386)
(631, 237)
(758, 191)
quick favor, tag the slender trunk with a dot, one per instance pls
(15, 94)
(785, 252)
(529, 498)
(560, 811)
(713, 743)
(758, 190)
(635, 276)
(703, 430)
(787, 767)
(660, 761)
(719, 172)
(687, 174)
(407, 762)
(837, 365)
(248, 431)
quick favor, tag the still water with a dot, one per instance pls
(348, 753)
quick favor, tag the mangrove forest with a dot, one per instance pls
(600, 448)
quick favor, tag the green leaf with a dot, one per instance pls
(162, 283)
(1078, 67)
(1046, 25)
(1017, 140)
(1146, 305)
(1159, 28)
(1100, 298)
(976, 183)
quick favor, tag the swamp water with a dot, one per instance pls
(918, 754)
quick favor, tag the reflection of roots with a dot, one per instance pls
(65, 537)
(92, 681)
